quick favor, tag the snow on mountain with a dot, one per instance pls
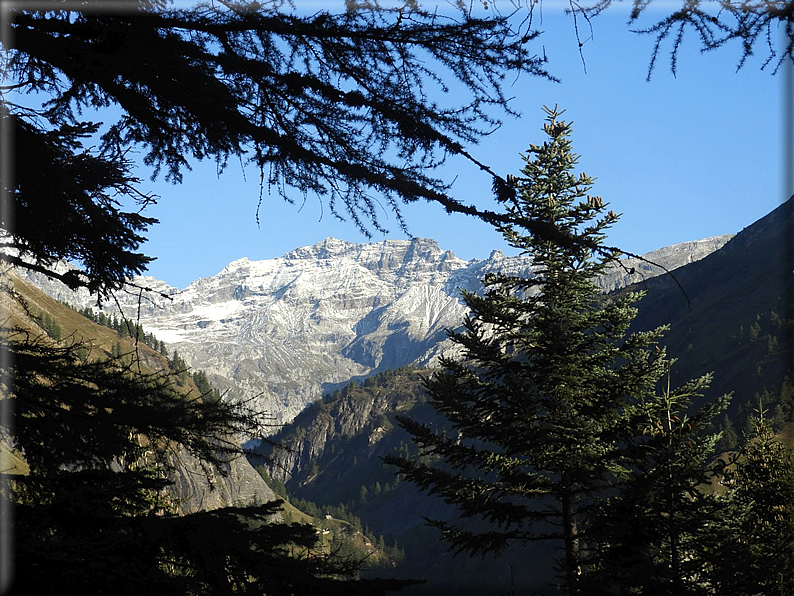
(633, 270)
(289, 329)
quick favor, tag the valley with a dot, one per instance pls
(286, 331)
(335, 340)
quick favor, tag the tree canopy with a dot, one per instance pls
(346, 106)
(757, 535)
(716, 23)
(356, 108)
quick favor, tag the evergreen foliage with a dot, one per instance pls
(50, 327)
(65, 202)
(124, 326)
(755, 554)
(101, 439)
(135, 330)
(342, 541)
(728, 438)
(656, 534)
(333, 105)
(551, 388)
(748, 23)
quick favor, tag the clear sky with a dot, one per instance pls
(682, 158)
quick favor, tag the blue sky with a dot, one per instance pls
(682, 158)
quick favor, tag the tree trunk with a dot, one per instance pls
(572, 567)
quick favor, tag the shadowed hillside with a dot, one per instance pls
(738, 324)
(738, 321)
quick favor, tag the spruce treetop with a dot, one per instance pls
(549, 190)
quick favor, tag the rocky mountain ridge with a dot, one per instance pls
(292, 328)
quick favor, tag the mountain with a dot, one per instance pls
(733, 313)
(290, 329)
(194, 487)
(730, 312)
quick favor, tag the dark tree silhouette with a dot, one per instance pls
(346, 106)
(756, 25)
(756, 537)
(548, 407)
(102, 440)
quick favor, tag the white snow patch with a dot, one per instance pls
(169, 336)
(217, 311)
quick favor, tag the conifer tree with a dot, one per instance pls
(102, 440)
(729, 439)
(538, 404)
(655, 534)
(754, 556)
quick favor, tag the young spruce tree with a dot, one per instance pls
(539, 404)
(755, 554)
(656, 534)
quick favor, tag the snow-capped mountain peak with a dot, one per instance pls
(291, 328)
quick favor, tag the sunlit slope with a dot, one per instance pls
(33, 311)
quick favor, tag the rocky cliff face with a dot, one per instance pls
(358, 423)
(291, 328)
(199, 489)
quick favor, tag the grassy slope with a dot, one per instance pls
(76, 328)
(23, 315)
